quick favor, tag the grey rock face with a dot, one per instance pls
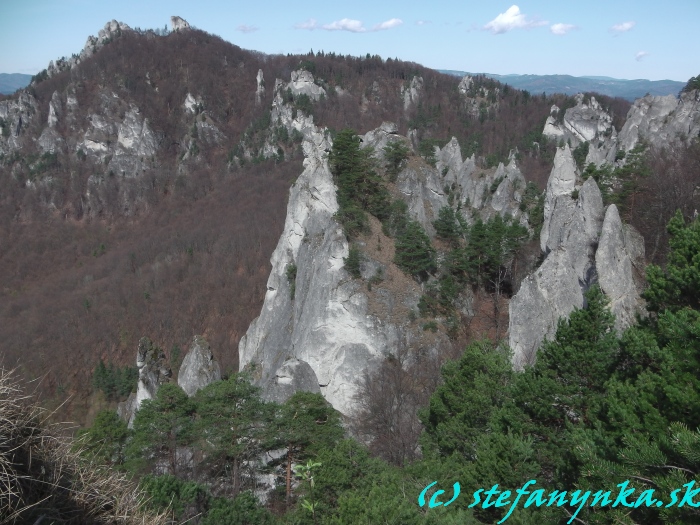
(191, 104)
(465, 84)
(583, 245)
(585, 122)
(485, 193)
(331, 331)
(326, 324)
(16, 114)
(411, 93)
(260, 89)
(557, 286)
(303, 84)
(293, 376)
(50, 141)
(125, 144)
(561, 183)
(153, 372)
(198, 368)
(126, 410)
(662, 120)
(55, 109)
(379, 138)
(620, 256)
(179, 24)
(111, 31)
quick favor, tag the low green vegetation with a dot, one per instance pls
(395, 154)
(116, 382)
(693, 83)
(352, 261)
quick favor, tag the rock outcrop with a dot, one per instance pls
(125, 145)
(459, 183)
(585, 122)
(199, 368)
(325, 324)
(179, 24)
(293, 376)
(319, 329)
(260, 88)
(111, 31)
(15, 116)
(661, 121)
(153, 372)
(583, 245)
(620, 263)
(303, 84)
(412, 92)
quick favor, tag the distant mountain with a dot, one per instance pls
(11, 82)
(613, 87)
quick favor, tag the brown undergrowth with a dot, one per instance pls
(43, 478)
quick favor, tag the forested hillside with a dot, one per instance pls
(344, 240)
(96, 259)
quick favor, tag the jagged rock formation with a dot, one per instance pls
(153, 372)
(584, 122)
(192, 104)
(199, 368)
(582, 246)
(179, 24)
(620, 263)
(478, 101)
(325, 324)
(260, 89)
(465, 84)
(460, 183)
(662, 120)
(303, 84)
(110, 32)
(16, 115)
(379, 138)
(411, 93)
(319, 330)
(588, 122)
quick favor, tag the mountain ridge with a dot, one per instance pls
(11, 82)
(629, 89)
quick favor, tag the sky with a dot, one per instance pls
(616, 38)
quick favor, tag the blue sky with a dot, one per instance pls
(616, 38)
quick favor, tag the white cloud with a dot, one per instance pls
(310, 24)
(354, 26)
(346, 24)
(623, 27)
(512, 19)
(246, 29)
(561, 29)
(389, 24)
(423, 22)
(641, 55)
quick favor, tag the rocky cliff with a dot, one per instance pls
(199, 368)
(658, 121)
(583, 244)
(320, 329)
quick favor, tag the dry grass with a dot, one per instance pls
(44, 480)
